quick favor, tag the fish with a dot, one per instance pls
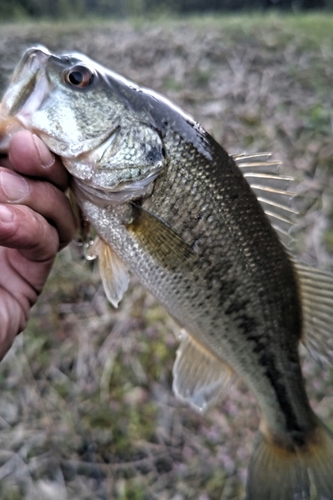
(208, 234)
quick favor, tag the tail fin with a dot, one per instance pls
(277, 473)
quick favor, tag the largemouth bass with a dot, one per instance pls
(170, 205)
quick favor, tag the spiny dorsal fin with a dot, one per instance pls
(199, 377)
(115, 277)
(316, 289)
(257, 162)
(272, 190)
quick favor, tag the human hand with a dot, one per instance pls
(36, 221)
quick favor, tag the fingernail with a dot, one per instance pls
(46, 157)
(15, 187)
(6, 215)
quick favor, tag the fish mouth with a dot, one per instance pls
(29, 87)
(117, 195)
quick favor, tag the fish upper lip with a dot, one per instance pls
(31, 61)
(38, 55)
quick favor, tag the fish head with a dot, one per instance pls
(84, 114)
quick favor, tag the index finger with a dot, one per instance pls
(29, 156)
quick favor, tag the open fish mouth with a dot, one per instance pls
(29, 86)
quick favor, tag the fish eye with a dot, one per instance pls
(79, 76)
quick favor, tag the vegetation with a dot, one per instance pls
(86, 409)
(62, 9)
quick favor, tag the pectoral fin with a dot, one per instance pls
(199, 377)
(115, 277)
(159, 239)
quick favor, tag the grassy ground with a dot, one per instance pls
(86, 409)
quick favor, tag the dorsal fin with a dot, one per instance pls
(316, 288)
(273, 191)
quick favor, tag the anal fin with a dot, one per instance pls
(199, 377)
(114, 274)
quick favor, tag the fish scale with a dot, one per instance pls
(195, 310)
(209, 316)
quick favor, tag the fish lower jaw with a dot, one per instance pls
(9, 126)
(24, 120)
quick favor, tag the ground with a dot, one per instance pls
(86, 408)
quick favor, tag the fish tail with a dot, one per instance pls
(281, 472)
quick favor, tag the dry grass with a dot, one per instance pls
(86, 409)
